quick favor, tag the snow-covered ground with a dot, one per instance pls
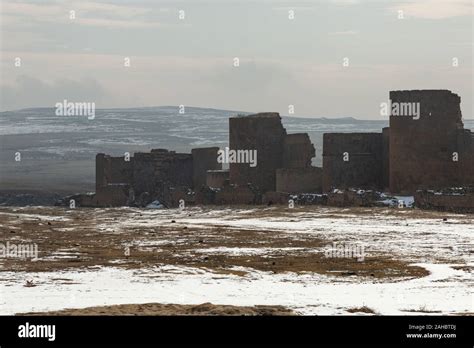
(443, 248)
(445, 290)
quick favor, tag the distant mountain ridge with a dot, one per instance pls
(231, 112)
(193, 108)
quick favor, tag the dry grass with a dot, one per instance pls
(99, 240)
(363, 309)
(422, 309)
(173, 309)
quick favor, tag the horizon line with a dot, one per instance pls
(217, 109)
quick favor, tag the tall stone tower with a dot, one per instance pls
(263, 132)
(423, 148)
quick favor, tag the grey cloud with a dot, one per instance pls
(29, 91)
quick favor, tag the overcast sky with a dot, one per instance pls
(190, 61)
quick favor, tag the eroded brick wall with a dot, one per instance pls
(466, 157)
(297, 151)
(112, 170)
(217, 178)
(386, 159)
(364, 165)
(204, 159)
(421, 150)
(299, 180)
(160, 168)
(459, 203)
(412, 154)
(262, 132)
(120, 182)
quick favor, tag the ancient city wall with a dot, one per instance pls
(458, 203)
(466, 157)
(297, 151)
(352, 160)
(217, 178)
(429, 150)
(299, 180)
(159, 168)
(113, 195)
(262, 132)
(204, 159)
(386, 158)
(421, 150)
(112, 170)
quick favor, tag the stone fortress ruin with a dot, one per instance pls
(430, 156)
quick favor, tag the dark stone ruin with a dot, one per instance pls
(431, 151)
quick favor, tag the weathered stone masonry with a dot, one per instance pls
(148, 176)
(261, 132)
(352, 160)
(421, 151)
(284, 160)
(410, 155)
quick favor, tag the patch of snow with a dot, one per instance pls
(444, 291)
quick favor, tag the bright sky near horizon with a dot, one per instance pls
(327, 58)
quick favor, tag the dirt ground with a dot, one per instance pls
(75, 238)
(173, 309)
(83, 240)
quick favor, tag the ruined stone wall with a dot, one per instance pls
(299, 180)
(352, 198)
(386, 158)
(297, 151)
(262, 132)
(421, 150)
(469, 164)
(364, 168)
(149, 172)
(159, 174)
(237, 195)
(412, 154)
(458, 203)
(112, 170)
(173, 195)
(279, 198)
(155, 171)
(112, 195)
(466, 157)
(204, 159)
(217, 178)
(100, 164)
